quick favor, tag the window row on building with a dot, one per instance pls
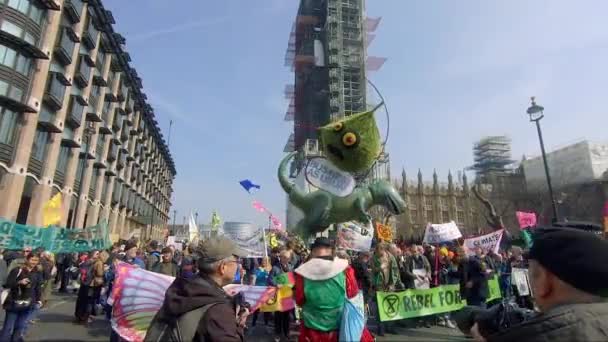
(73, 118)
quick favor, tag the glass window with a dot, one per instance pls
(29, 38)
(11, 28)
(19, 5)
(16, 93)
(8, 126)
(24, 65)
(7, 56)
(36, 14)
(17, 31)
(3, 88)
(62, 162)
(39, 147)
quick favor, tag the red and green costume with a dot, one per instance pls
(321, 289)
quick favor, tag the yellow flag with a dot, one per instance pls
(51, 212)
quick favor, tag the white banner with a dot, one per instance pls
(438, 233)
(355, 236)
(246, 236)
(488, 242)
(322, 174)
(519, 278)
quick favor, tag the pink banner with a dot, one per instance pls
(259, 207)
(526, 219)
(138, 294)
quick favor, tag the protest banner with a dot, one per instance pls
(321, 173)
(519, 279)
(281, 300)
(247, 237)
(254, 295)
(384, 232)
(488, 242)
(138, 294)
(14, 236)
(438, 233)
(355, 236)
(417, 303)
(526, 219)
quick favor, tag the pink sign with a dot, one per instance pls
(526, 219)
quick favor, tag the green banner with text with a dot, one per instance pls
(416, 303)
(14, 236)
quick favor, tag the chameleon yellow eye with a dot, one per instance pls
(349, 139)
(338, 126)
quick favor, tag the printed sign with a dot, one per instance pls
(488, 242)
(494, 289)
(423, 283)
(384, 232)
(417, 303)
(355, 236)
(322, 174)
(14, 236)
(526, 219)
(519, 279)
(247, 237)
(438, 233)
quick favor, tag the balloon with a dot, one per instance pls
(443, 251)
(450, 255)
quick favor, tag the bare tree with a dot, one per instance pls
(494, 219)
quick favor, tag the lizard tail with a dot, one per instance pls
(282, 174)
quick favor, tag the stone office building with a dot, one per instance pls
(74, 119)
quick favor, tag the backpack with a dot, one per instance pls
(86, 273)
(180, 330)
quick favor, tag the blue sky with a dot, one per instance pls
(456, 71)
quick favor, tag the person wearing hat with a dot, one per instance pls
(131, 255)
(569, 281)
(166, 266)
(154, 256)
(199, 305)
(322, 285)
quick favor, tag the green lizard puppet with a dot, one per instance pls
(352, 144)
(321, 208)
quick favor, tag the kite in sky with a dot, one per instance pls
(248, 185)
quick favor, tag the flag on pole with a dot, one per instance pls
(248, 185)
(51, 212)
(192, 229)
(216, 221)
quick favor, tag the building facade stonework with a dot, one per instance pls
(74, 119)
(437, 202)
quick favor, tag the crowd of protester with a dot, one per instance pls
(29, 276)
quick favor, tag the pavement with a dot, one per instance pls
(56, 324)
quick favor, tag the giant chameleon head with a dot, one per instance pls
(384, 194)
(352, 144)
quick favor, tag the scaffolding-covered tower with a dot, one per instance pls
(327, 51)
(492, 155)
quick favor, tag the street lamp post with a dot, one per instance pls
(536, 113)
(174, 218)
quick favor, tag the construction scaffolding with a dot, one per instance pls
(327, 51)
(492, 154)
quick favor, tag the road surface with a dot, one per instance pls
(56, 324)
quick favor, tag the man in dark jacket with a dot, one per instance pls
(153, 256)
(568, 276)
(474, 281)
(217, 264)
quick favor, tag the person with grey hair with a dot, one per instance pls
(198, 309)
